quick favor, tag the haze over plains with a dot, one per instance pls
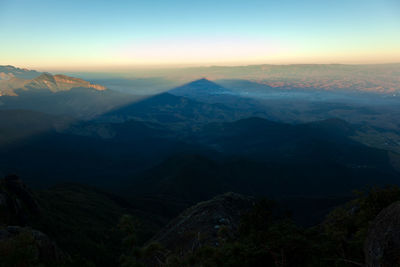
(92, 35)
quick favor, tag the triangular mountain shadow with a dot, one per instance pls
(199, 88)
(166, 108)
(198, 102)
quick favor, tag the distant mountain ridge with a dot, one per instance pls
(8, 72)
(60, 82)
(12, 79)
(379, 78)
(22, 89)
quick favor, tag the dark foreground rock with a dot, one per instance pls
(382, 246)
(23, 246)
(18, 205)
(201, 224)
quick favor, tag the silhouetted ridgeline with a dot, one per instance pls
(72, 225)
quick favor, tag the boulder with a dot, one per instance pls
(382, 245)
(17, 202)
(201, 224)
(23, 246)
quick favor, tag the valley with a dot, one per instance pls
(98, 158)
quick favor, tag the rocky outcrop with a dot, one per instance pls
(202, 224)
(18, 205)
(9, 72)
(60, 83)
(65, 83)
(23, 246)
(382, 246)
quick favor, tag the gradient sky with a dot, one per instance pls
(114, 34)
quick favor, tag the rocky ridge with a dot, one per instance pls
(11, 83)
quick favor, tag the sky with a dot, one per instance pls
(87, 35)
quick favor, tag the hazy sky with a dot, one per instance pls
(87, 34)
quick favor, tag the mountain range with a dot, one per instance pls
(377, 78)
(13, 79)
(200, 123)
(109, 170)
(56, 94)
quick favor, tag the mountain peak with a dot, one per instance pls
(8, 72)
(45, 77)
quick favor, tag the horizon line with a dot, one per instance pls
(181, 66)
